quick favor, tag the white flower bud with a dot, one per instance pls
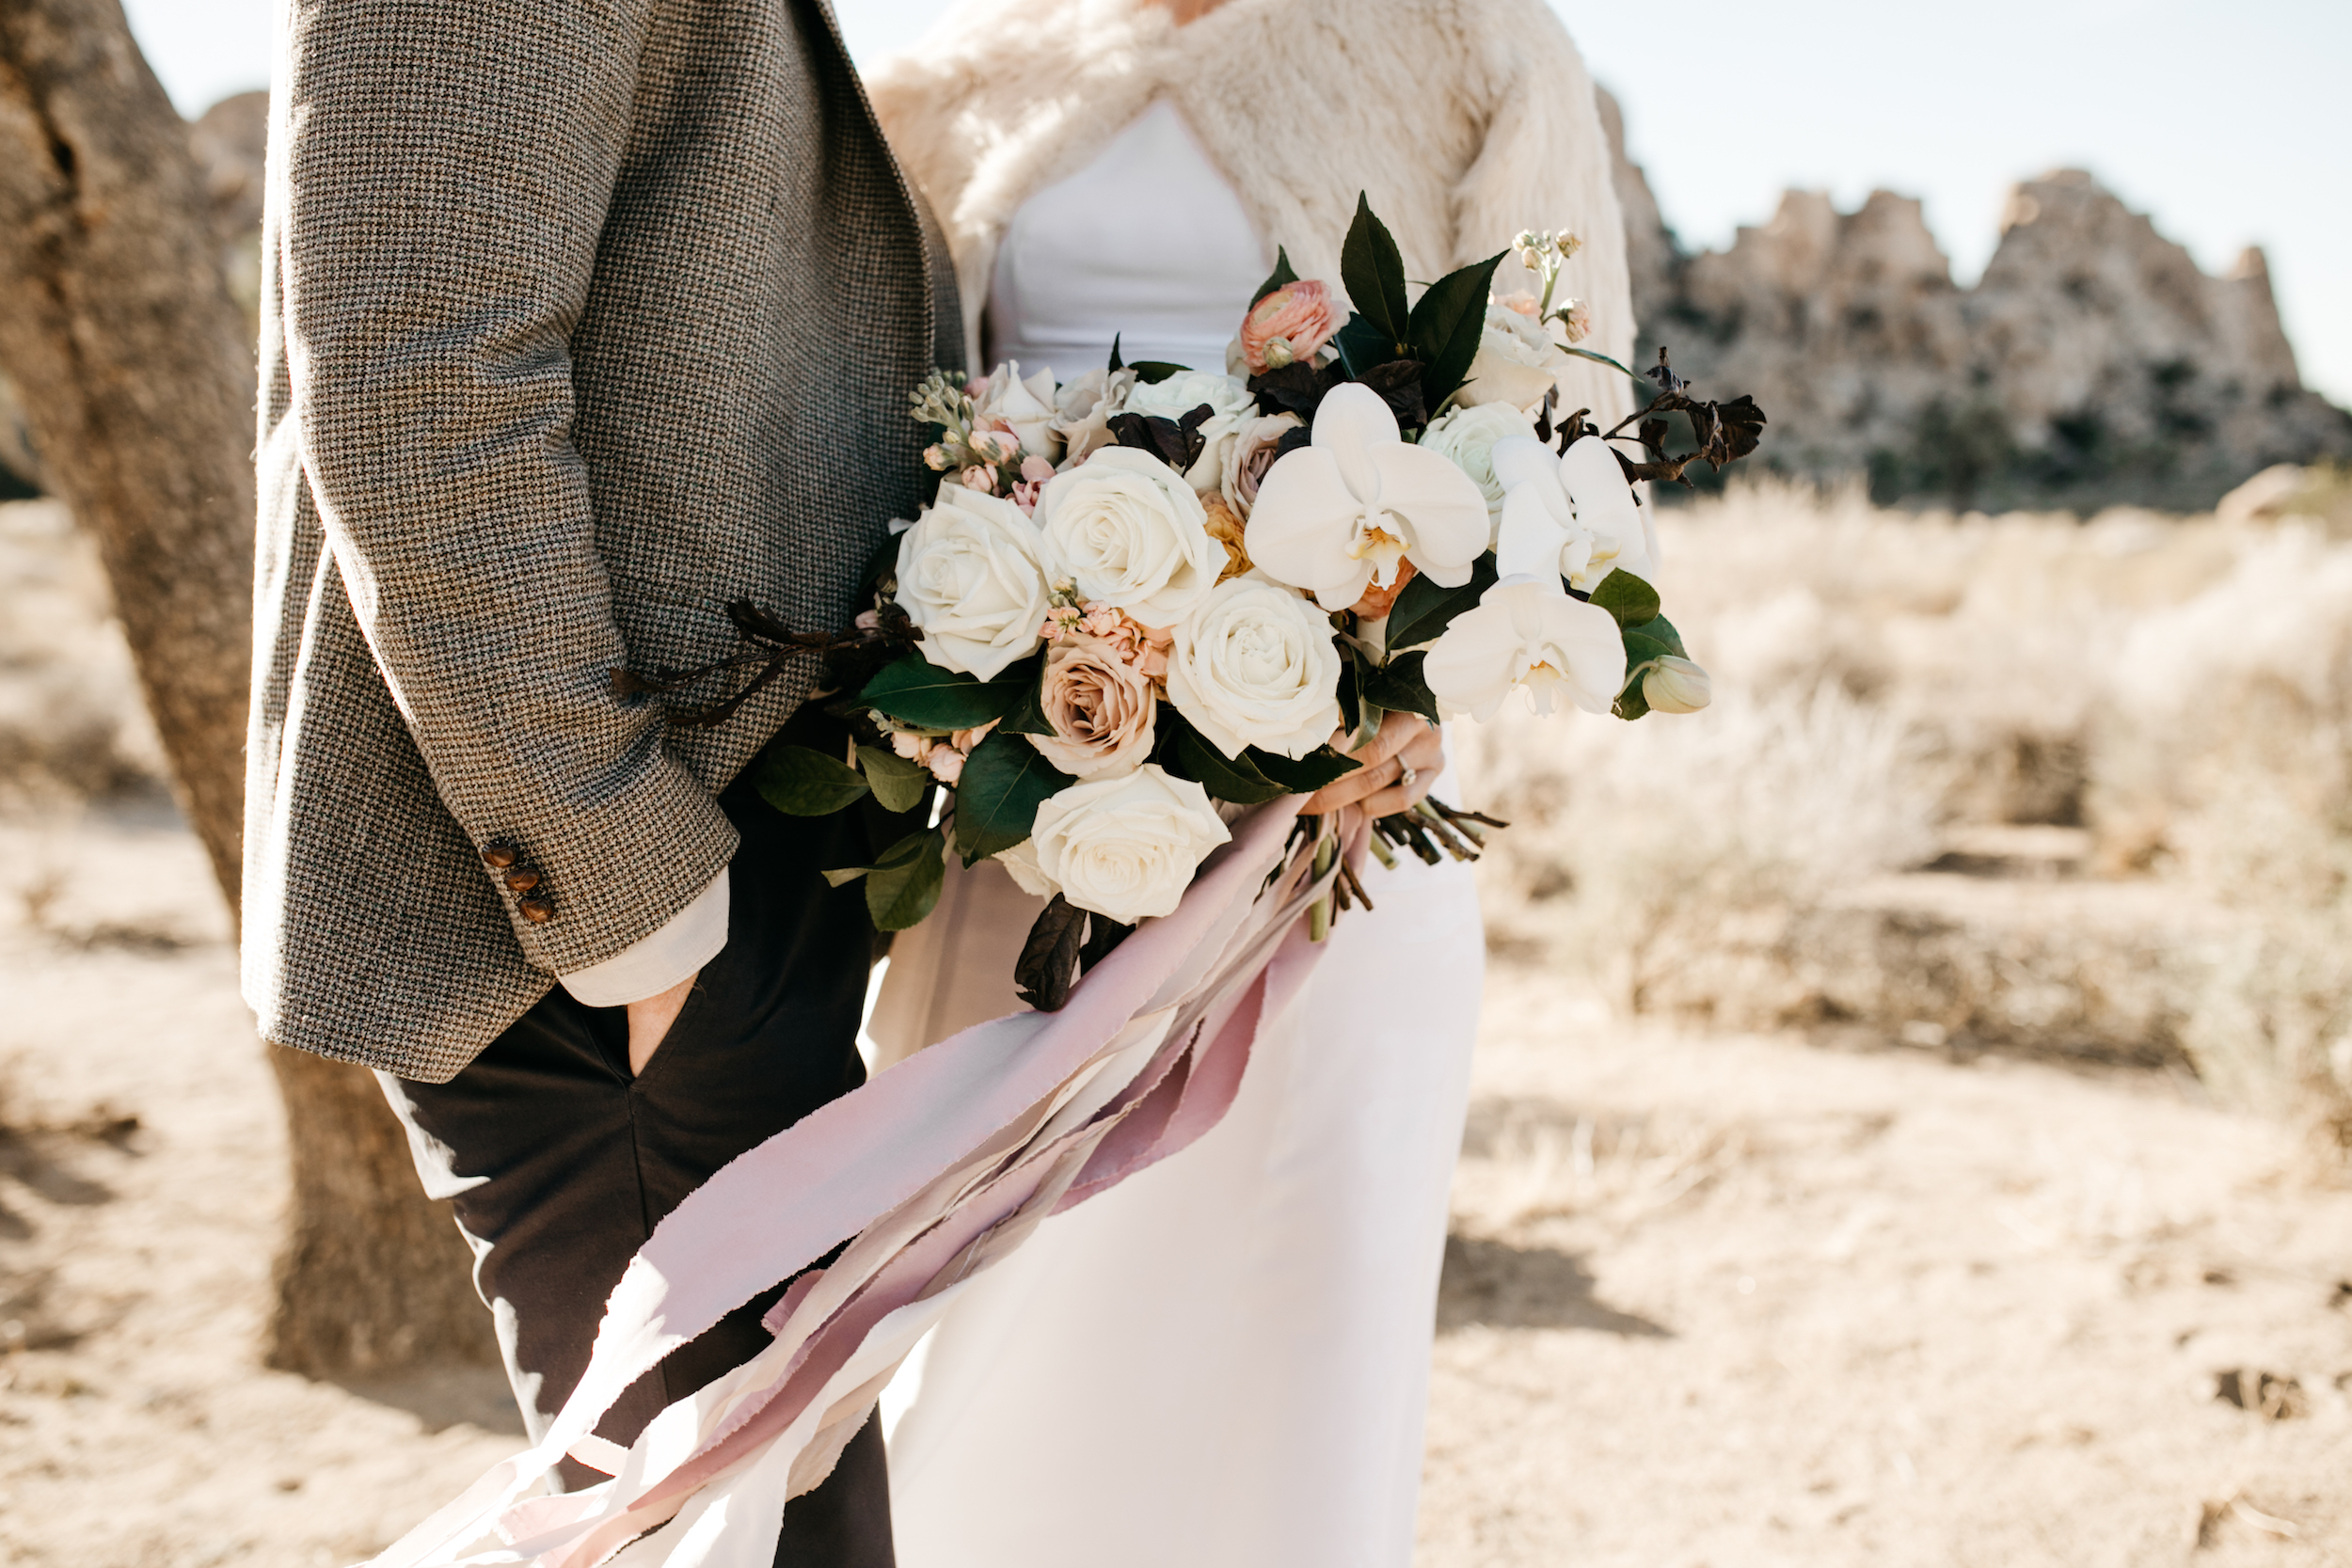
(1530, 257)
(1676, 686)
(1567, 242)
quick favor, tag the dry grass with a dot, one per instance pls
(2165, 703)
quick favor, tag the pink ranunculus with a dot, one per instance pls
(980, 479)
(1025, 492)
(1296, 315)
(1100, 706)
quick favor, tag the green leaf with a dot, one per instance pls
(801, 783)
(1349, 692)
(1362, 347)
(1424, 609)
(1372, 272)
(1005, 780)
(1629, 598)
(1630, 705)
(896, 782)
(915, 691)
(1303, 775)
(1399, 685)
(1153, 371)
(1235, 779)
(1652, 639)
(1604, 359)
(1027, 715)
(897, 856)
(1446, 325)
(904, 885)
(1279, 277)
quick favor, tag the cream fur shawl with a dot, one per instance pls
(1465, 121)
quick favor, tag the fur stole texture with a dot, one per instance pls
(1465, 121)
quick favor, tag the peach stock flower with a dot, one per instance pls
(1100, 704)
(1288, 324)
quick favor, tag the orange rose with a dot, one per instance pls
(1290, 323)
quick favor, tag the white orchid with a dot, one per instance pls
(1572, 517)
(1675, 685)
(1338, 516)
(1527, 632)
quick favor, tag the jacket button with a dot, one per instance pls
(497, 854)
(523, 878)
(538, 908)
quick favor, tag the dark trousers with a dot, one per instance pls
(561, 1163)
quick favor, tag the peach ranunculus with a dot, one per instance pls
(1100, 704)
(1290, 323)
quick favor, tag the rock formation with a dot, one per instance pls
(2092, 363)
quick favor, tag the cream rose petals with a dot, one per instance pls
(1255, 666)
(1127, 531)
(1126, 846)
(971, 575)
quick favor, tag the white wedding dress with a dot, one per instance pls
(1224, 1362)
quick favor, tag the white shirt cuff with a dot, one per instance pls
(676, 952)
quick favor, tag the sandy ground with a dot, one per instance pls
(1721, 1301)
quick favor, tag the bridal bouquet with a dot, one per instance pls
(1154, 591)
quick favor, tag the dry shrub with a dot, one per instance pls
(2181, 688)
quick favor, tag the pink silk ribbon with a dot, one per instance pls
(932, 1171)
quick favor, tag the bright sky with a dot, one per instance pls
(2223, 122)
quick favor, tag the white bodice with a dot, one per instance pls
(1149, 241)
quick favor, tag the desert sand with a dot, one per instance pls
(1721, 1300)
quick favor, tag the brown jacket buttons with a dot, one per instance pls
(523, 878)
(538, 908)
(497, 854)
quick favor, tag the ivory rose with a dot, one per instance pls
(971, 575)
(1231, 404)
(1100, 706)
(1083, 410)
(1249, 456)
(1468, 437)
(1572, 517)
(1023, 409)
(1127, 533)
(1517, 361)
(1255, 666)
(1527, 633)
(1290, 323)
(1126, 845)
(1019, 863)
(1339, 515)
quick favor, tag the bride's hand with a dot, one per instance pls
(1406, 740)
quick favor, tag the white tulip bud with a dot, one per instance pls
(1676, 686)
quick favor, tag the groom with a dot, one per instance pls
(581, 319)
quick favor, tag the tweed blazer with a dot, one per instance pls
(581, 318)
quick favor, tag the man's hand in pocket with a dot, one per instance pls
(649, 1022)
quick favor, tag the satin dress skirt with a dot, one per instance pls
(1224, 1361)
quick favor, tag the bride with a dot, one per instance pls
(1225, 1360)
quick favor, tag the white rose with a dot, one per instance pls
(1255, 666)
(1128, 532)
(1468, 437)
(1083, 410)
(1019, 863)
(972, 576)
(1231, 403)
(1025, 407)
(1516, 362)
(1126, 846)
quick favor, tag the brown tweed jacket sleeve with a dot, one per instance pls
(580, 319)
(449, 183)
